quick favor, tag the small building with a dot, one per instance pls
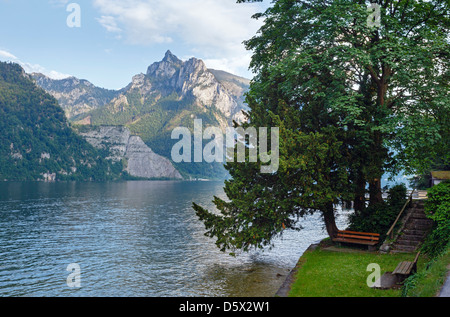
(439, 176)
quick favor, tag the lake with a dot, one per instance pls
(131, 239)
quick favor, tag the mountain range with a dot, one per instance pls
(36, 141)
(171, 93)
(75, 96)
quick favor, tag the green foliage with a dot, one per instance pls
(375, 218)
(397, 196)
(379, 218)
(35, 137)
(437, 245)
(437, 208)
(342, 93)
(428, 281)
(310, 177)
(438, 203)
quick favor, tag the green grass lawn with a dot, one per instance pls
(344, 274)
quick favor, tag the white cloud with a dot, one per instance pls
(232, 65)
(7, 56)
(36, 68)
(109, 23)
(31, 68)
(212, 29)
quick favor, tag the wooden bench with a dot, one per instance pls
(406, 268)
(364, 238)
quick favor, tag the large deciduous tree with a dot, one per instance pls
(353, 100)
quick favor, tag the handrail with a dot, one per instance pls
(391, 230)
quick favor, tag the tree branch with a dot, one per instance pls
(374, 75)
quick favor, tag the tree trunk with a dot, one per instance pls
(376, 195)
(378, 151)
(359, 202)
(330, 221)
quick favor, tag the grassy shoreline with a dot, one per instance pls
(328, 271)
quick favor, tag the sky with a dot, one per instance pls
(110, 41)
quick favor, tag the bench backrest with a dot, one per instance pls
(358, 235)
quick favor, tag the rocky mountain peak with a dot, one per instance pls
(166, 68)
(191, 78)
(170, 58)
(138, 80)
(195, 65)
(76, 96)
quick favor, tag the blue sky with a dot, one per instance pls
(121, 38)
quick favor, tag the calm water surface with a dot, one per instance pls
(130, 239)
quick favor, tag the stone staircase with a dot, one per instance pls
(414, 229)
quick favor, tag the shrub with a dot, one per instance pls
(437, 208)
(397, 196)
(380, 217)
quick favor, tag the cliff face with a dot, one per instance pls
(113, 139)
(141, 161)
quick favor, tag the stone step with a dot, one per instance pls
(417, 214)
(403, 248)
(419, 224)
(418, 208)
(405, 242)
(405, 245)
(416, 232)
(411, 237)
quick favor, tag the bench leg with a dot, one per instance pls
(401, 278)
